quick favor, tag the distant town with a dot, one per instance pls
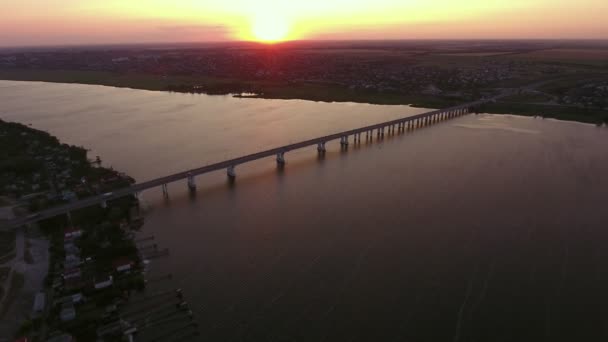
(429, 74)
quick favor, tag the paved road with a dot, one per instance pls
(136, 188)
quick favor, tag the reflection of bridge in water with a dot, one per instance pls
(378, 130)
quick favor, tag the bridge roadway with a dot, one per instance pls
(418, 119)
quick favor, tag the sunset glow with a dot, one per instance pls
(270, 27)
(119, 21)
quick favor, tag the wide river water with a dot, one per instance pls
(482, 228)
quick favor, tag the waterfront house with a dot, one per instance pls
(71, 233)
(103, 282)
(123, 264)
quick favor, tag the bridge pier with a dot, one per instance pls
(321, 147)
(281, 158)
(165, 190)
(231, 172)
(344, 141)
(191, 182)
(104, 204)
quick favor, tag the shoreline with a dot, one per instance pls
(283, 91)
(76, 235)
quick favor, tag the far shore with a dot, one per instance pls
(282, 90)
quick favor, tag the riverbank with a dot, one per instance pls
(72, 255)
(290, 91)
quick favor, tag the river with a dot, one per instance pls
(485, 227)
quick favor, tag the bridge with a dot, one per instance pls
(379, 130)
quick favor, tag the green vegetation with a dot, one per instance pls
(4, 271)
(120, 80)
(430, 76)
(7, 247)
(547, 111)
(32, 156)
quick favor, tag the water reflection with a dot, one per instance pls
(480, 228)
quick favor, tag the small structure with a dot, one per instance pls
(123, 264)
(72, 273)
(71, 233)
(67, 313)
(39, 304)
(102, 283)
(71, 299)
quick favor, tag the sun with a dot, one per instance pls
(270, 27)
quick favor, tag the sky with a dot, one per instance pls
(72, 22)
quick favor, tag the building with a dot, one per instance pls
(71, 233)
(67, 313)
(39, 304)
(102, 283)
(122, 265)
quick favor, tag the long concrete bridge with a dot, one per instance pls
(378, 130)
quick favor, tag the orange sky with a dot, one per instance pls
(47, 22)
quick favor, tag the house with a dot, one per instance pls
(103, 282)
(71, 232)
(39, 304)
(71, 262)
(67, 313)
(70, 248)
(72, 273)
(123, 264)
(71, 299)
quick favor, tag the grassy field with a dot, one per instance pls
(527, 98)
(584, 57)
(130, 80)
(547, 111)
(266, 89)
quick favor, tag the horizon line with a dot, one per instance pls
(227, 42)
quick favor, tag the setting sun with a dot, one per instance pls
(270, 27)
